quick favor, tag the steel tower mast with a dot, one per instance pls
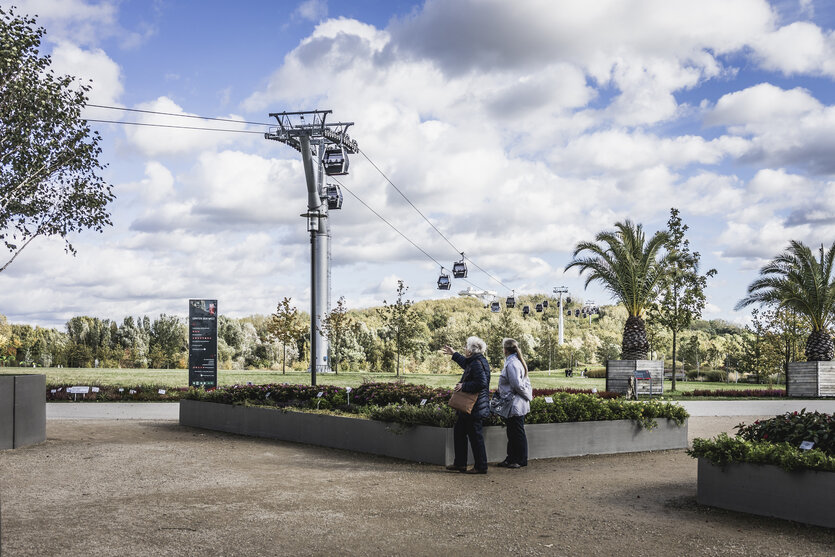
(561, 290)
(308, 133)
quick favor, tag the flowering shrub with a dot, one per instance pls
(728, 450)
(776, 441)
(793, 428)
(742, 393)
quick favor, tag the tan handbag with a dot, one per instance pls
(463, 402)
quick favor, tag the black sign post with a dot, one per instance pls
(202, 343)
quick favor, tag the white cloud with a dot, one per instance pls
(798, 48)
(312, 10)
(174, 140)
(91, 65)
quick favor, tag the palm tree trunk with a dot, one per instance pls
(819, 347)
(635, 345)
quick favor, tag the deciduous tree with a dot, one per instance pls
(50, 182)
(682, 296)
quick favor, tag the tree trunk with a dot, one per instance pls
(819, 347)
(284, 359)
(635, 345)
(673, 386)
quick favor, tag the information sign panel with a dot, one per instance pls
(202, 343)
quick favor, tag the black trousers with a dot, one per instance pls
(469, 426)
(517, 441)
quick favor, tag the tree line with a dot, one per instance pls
(374, 339)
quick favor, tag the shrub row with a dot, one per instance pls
(601, 394)
(742, 393)
(725, 450)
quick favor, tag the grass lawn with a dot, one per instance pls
(172, 378)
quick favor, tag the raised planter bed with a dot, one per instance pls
(22, 410)
(432, 445)
(801, 495)
(619, 372)
(807, 379)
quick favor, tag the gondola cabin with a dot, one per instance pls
(335, 160)
(576, 313)
(495, 307)
(545, 304)
(459, 269)
(538, 308)
(443, 282)
(526, 310)
(334, 194)
(510, 302)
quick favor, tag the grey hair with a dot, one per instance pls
(476, 345)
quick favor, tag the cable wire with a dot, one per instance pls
(171, 126)
(178, 115)
(448, 241)
(379, 216)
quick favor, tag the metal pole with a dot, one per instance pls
(561, 290)
(318, 228)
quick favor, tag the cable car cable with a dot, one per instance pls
(143, 111)
(379, 216)
(171, 126)
(448, 241)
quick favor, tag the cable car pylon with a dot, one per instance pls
(325, 148)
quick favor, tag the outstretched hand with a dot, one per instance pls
(447, 350)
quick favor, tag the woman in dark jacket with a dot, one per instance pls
(476, 379)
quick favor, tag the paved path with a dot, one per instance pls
(171, 411)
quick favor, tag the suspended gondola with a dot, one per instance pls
(335, 160)
(545, 304)
(568, 300)
(334, 194)
(495, 307)
(538, 308)
(526, 310)
(576, 313)
(511, 301)
(459, 268)
(443, 281)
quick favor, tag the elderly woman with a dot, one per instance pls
(514, 395)
(476, 379)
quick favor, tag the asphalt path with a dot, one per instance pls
(171, 411)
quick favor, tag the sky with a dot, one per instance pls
(517, 128)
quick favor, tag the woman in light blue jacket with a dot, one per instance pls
(512, 402)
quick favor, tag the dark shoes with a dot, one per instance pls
(454, 468)
(476, 471)
(511, 465)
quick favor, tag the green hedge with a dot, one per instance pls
(725, 450)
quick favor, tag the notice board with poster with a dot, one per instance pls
(202, 343)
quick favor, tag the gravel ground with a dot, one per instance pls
(155, 488)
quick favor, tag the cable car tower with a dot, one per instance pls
(325, 148)
(560, 290)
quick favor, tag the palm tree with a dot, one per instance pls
(795, 280)
(628, 266)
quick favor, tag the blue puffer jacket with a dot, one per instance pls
(476, 379)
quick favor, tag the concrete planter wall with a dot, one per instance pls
(803, 496)
(22, 410)
(432, 445)
(807, 379)
(619, 372)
